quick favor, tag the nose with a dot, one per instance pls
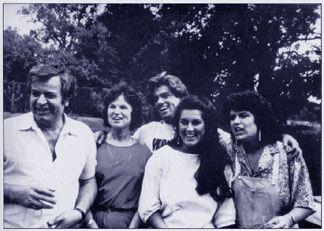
(190, 127)
(41, 99)
(159, 101)
(116, 110)
(236, 120)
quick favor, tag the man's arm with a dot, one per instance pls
(87, 194)
(156, 220)
(86, 197)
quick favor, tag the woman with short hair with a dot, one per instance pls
(121, 161)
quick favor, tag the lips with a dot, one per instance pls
(239, 131)
(163, 108)
(190, 136)
(42, 110)
(117, 119)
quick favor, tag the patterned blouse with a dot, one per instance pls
(294, 184)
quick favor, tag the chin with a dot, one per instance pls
(165, 113)
(117, 126)
(190, 145)
(42, 122)
(240, 138)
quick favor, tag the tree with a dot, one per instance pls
(78, 40)
(214, 48)
(61, 22)
(20, 53)
(225, 48)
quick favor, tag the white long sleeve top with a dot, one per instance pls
(169, 186)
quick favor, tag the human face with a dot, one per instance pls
(165, 102)
(243, 126)
(46, 101)
(191, 127)
(119, 113)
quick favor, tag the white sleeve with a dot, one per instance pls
(149, 201)
(89, 169)
(139, 134)
(225, 214)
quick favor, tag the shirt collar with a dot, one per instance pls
(69, 126)
(265, 161)
(28, 123)
(167, 125)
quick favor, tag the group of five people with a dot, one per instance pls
(181, 171)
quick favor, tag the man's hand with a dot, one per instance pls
(291, 146)
(66, 219)
(35, 197)
(100, 137)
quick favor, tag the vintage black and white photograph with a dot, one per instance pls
(160, 115)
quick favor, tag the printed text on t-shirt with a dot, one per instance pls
(158, 143)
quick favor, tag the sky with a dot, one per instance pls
(21, 22)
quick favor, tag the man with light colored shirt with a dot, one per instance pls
(49, 158)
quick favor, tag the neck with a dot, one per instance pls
(168, 121)
(251, 146)
(57, 125)
(120, 134)
(190, 150)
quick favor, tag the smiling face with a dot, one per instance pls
(165, 102)
(46, 101)
(243, 126)
(119, 113)
(191, 127)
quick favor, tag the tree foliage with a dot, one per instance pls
(214, 48)
(78, 40)
(19, 55)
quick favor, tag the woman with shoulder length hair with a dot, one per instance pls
(271, 190)
(184, 185)
(121, 161)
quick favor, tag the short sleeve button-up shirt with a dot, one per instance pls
(28, 161)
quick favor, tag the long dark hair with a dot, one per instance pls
(213, 157)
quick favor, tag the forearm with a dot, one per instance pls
(87, 194)
(157, 221)
(135, 222)
(13, 193)
(300, 214)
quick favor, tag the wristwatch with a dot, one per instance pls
(83, 214)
